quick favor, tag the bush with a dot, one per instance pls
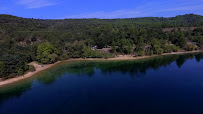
(95, 54)
(32, 68)
(141, 53)
(65, 56)
(26, 67)
(2, 69)
(190, 47)
(176, 48)
(52, 58)
(44, 60)
(159, 51)
(12, 75)
(89, 53)
(168, 49)
(20, 71)
(107, 55)
(156, 46)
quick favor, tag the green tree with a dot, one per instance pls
(129, 48)
(121, 45)
(20, 71)
(52, 58)
(2, 69)
(26, 67)
(75, 49)
(89, 53)
(181, 39)
(190, 47)
(140, 44)
(176, 48)
(141, 53)
(46, 54)
(155, 45)
(113, 47)
(125, 46)
(32, 68)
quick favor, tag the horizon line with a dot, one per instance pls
(103, 18)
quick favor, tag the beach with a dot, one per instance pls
(38, 68)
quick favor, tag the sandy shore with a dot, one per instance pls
(39, 68)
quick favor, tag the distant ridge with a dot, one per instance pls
(178, 16)
(187, 20)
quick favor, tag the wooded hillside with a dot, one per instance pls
(23, 40)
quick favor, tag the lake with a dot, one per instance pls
(166, 84)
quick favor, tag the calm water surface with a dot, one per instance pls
(166, 84)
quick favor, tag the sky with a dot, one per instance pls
(60, 9)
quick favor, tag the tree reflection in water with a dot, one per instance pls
(81, 68)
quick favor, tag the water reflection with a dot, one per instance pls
(81, 68)
(198, 57)
(133, 67)
(14, 90)
(182, 58)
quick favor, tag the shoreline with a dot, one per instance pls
(39, 68)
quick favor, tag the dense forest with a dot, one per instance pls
(24, 40)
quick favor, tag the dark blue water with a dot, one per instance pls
(166, 84)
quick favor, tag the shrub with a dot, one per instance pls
(160, 51)
(20, 71)
(107, 55)
(32, 68)
(88, 53)
(176, 48)
(65, 56)
(168, 49)
(2, 69)
(141, 53)
(190, 47)
(12, 75)
(52, 58)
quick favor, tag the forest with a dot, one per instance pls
(23, 40)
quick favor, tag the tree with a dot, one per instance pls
(89, 42)
(121, 45)
(141, 53)
(20, 71)
(181, 39)
(125, 46)
(155, 44)
(140, 44)
(190, 47)
(2, 69)
(75, 49)
(46, 54)
(113, 47)
(32, 68)
(52, 58)
(129, 48)
(89, 53)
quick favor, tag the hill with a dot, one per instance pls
(23, 40)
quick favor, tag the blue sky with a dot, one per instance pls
(60, 9)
